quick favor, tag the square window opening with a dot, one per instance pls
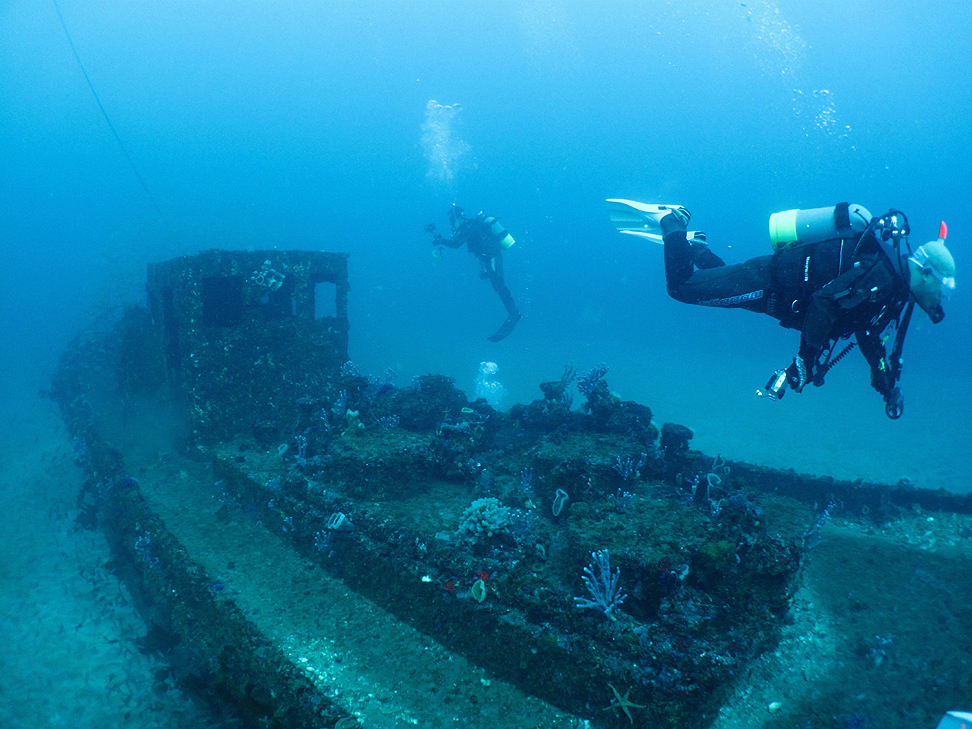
(325, 299)
(222, 298)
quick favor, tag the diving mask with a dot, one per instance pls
(923, 260)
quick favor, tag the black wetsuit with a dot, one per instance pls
(477, 235)
(827, 291)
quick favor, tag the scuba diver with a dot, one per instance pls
(835, 272)
(486, 239)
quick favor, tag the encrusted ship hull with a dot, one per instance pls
(317, 547)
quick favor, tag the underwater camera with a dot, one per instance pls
(776, 387)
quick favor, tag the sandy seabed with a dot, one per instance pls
(69, 654)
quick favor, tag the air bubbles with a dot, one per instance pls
(443, 148)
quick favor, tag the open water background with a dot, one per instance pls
(296, 124)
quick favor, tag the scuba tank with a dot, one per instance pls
(498, 232)
(793, 228)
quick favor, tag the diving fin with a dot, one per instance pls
(639, 219)
(504, 331)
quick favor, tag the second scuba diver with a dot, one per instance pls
(486, 239)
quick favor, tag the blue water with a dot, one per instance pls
(305, 125)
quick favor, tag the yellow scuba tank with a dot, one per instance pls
(792, 228)
(499, 233)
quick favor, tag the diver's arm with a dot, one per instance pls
(816, 333)
(881, 283)
(827, 306)
(457, 240)
(872, 347)
(821, 325)
(459, 237)
(883, 378)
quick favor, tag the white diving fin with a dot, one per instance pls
(639, 219)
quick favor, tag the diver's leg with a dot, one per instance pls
(702, 257)
(684, 255)
(500, 287)
(696, 275)
(679, 265)
(513, 314)
(741, 286)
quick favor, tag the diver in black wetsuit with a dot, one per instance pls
(854, 282)
(486, 239)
